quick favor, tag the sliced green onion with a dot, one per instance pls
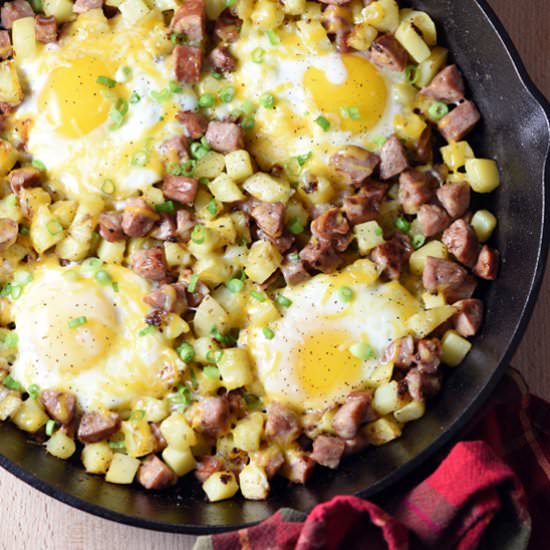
(50, 427)
(146, 330)
(379, 140)
(230, 3)
(323, 123)
(193, 377)
(247, 107)
(253, 402)
(198, 150)
(268, 333)
(212, 373)
(296, 226)
(198, 235)
(16, 291)
(186, 352)
(212, 207)
(12, 384)
(134, 98)
(108, 187)
(227, 94)
(438, 110)
(258, 55)
(114, 285)
(90, 265)
(362, 350)
(165, 207)
(216, 75)
(188, 167)
(345, 293)
(207, 100)
(54, 227)
(378, 231)
(77, 321)
(403, 224)
(11, 340)
(123, 74)
(119, 445)
(39, 164)
(103, 277)
(106, 81)
(418, 241)
(235, 286)
(411, 74)
(294, 257)
(302, 159)
(193, 280)
(267, 100)
(272, 36)
(161, 96)
(257, 295)
(34, 391)
(247, 123)
(283, 300)
(140, 158)
(36, 5)
(137, 415)
(24, 230)
(354, 113)
(175, 87)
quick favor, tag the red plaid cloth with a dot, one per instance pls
(491, 491)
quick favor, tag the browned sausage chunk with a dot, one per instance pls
(447, 86)
(171, 298)
(467, 319)
(423, 150)
(354, 412)
(60, 405)
(415, 189)
(332, 226)
(81, 6)
(185, 221)
(22, 178)
(12, 11)
(5, 45)
(138, 218)
(393, 158)
(222, 60)
(401, 352)
(298, 468)
(486, 266)
(365, 205)
(96, 426)
(461, 241)
(455, 197)
(294, 272)
(176, 149)
(9, 230)
(328, 450)
(46, 29)
(355, 163)
(421, 385)
(228, 26)
(206, 466)
(224, 137)
(213, 415)
(160, 442)
(270, 217)
(270, 459)
(454, 282)
(195, 124)
(150, 263)
(180, 188)
(321, 256)
(155, 474)
(387, 53)
(432, 219)
(110, 226)
(428, 355)
(187, 63)
(459, 122)
(282, 424)
(393, 255)
(165, 229)
(189, 20)
(283, 243)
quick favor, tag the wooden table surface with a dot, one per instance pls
(34, 521)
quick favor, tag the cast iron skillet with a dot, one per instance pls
(516, 132)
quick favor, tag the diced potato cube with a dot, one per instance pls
(260, 314)
(9, 207)
(220, 486)
(423, 22)
(454, 348)
(202, 347)
(97, 457)
(405, 94)
(320, 193)
(383, 430)
(411, 411)
(156, 410)
(24, 38)
(177, 432)
(46, 230)
(10, 87)
(62, 10)
(112, 253)
(210, 314)
(484, 223)
(10, 402)
(456, 154)
(61, 445)
(362, 36)
(248, 432)
(241, 221)
(384, 15)
(482, 175)
(208, 240)
(213, 270)
(433, 300)
(71, 249)
(235, 368)
(234, 305)
(424, 322)
(266, 188)
(64, 211)
(436, 249)
(210, 166)
(225, 229)
(176, 255)
(181, 461)
(138, 437)
(225, 189)
(294, 7)
(430, 67)
(30, 416)
(263, 260)
(238, 165)
(409, 127)
(369, 235)
(153, 196)
(8, 153)
(253, 482)
(412, 42)
(123, 469)
(31, 199)
(387, 398)
(367, 272)
(175, 326)
(267, 14)
(132, 11)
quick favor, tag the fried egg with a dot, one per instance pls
(331, 338)
(100, 102)
(86, 333)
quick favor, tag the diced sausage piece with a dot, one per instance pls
(422, 148)
(467, 320)
(415, 189)
(401, 352)
(328, 450)
(60, 405)
(176, 149)
(180, 188)
(12, 11)
(355, 163)
(461, 241)
(365, 205)
(187, 63)
(421, 385)
(388, 53)
(298, 467)
(170, 298)
(451, 279)
(138, 218)
(222, 60)
(294, 272)
(9, 230)
(486, 266)
(81, 6)
(96, 426)
(432, 219)
(354, 412)
(224, 137)
(455, 197)
(321, 256)
(155, 474)
(165, 229)
(270, 217)
(237, 404)
(447, 86)
(185, 221)
(195, 298)
(332, 226)
(358, 443)
(46, 29)
(282, 424)
(5, 45)
(110, 226)
(459, 122)
(160, 441)
(228, 26)
(195, 124)
(393, 158)
(393, 255)
(150, 263)
(213, 415)
(189, 20)
(22, 178)
(283, 243)
(206, 466)
(428, 355)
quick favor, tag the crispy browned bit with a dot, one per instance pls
(155, 474)
(467, 319)
(150, 263)
(180, 188)
(187, 63)
(60, 405)
(486, 266)
(96, 426)
(354, 163)
(138, 218)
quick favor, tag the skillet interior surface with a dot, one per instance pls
(515, 131)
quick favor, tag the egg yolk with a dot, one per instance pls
(73, 99)
(359, 103)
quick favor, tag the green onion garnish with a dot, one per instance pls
(437, 110)
(296, 226)
(108, 187)
(294, 257)
(199, 150)
(213, 373)
(258, 55)
(403, 224)
(268, 333)
(272, 36)
(137, 415)
(77, 321)
(227, 94)
(206, 100)
(39, 164)
(175, 87)
(50, 427)
(378, 231)
(267, 100)
(12, 384)
(188, 167)
(90, 265)
(115, 286)
(230, 3)
(134, 98)
(24, 230)
(345, 293)
(193, 280)
(119, 445)
(198, 235)
(165, 207)
(362, 350)
(193, 377)
(323, 123)
(106, 81)
(146, 330)
(247, 123)
(54, 227)
(140, 158)
(411, 74)
(350, 112)
(302, 159)
(186, 352)
(379, 140)
(216, 75)
(123, 74)
(161, 96)
(283, 300)
(103, 277)
(257, 295)
(235, 285)
(418, 241)
(212, 207)
(34, 391)
(11, 340)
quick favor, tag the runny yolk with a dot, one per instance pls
(359, 102)
(72, 98)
